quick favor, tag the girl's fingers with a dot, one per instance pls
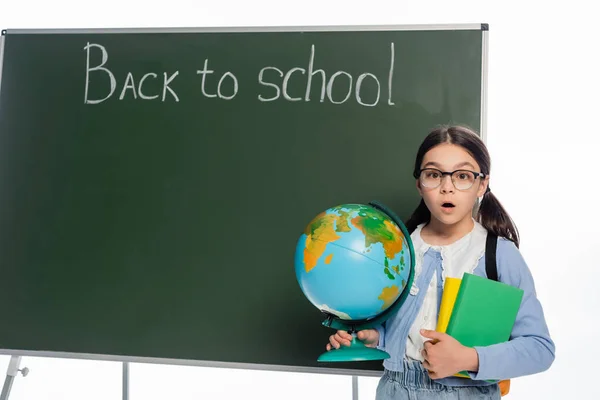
(369, 336)
(338, 339)
(343, 339)
(334, 342)
(345, 335)
(426, 365)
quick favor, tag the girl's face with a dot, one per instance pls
(446, 203)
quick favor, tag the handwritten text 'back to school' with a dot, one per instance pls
(225, 86)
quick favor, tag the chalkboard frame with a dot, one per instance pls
(339, 28)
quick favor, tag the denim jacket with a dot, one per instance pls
(529, 350)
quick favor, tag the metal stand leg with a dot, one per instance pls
(13, 370)
(125, 381)
(355, 388)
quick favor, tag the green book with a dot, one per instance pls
(484, 312)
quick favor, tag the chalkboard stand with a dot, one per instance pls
(13, 370)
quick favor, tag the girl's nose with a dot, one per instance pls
(447, 186)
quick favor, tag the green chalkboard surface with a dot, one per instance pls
(153, 183)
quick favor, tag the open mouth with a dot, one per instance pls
(447, 205)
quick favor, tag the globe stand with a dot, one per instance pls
(357, 351)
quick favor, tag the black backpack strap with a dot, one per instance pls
(491, 269)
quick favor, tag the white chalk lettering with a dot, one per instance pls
(205, 72)
(312, 73)
(166, 86)
(262, 82)
(391, 75)
(294, 84)
(330, 87)
(235, 86)
(358, 85)
(129, 84)
(113, 81)
(285, 84)
(142, 96)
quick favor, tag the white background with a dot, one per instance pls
(542, 135)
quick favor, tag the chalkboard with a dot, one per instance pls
(153, 183)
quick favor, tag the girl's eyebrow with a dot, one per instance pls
(459, 165)
(464, 164)
(432, 163)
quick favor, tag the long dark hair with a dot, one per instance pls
(490, 212)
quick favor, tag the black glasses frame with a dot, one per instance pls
(479, 175)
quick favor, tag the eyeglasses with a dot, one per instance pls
(461, 179)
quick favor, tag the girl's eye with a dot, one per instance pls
(464, 176)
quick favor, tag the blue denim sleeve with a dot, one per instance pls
(381, 330)
(530, 349)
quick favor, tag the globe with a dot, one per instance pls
(354, 263)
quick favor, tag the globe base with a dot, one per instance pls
(357, 351)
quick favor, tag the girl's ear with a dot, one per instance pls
(483, 186)
(419, 188)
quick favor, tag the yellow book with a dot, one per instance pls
(451, 286)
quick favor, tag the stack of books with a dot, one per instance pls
(478, 311)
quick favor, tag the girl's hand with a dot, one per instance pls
(445, 356)
(370, 337)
